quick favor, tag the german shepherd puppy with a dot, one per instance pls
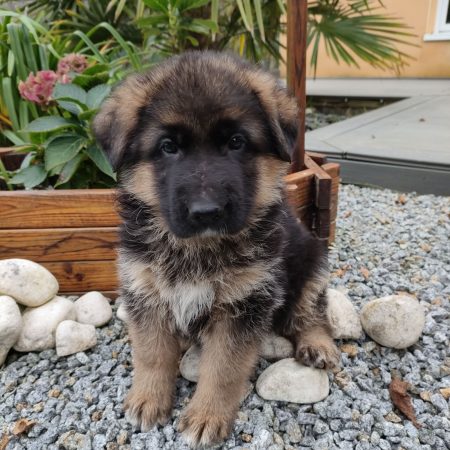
(209, 249)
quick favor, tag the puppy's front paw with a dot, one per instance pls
(144, 410)
(202, 427)
(323, 355)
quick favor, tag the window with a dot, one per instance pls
(442, 24)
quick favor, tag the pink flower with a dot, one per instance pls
(38, 88)
(72, 62)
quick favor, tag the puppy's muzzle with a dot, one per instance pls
(205, 212)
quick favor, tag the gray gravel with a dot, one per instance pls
(386, 243)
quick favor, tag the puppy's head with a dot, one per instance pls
(203, 138)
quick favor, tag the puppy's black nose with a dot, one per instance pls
(205, 211)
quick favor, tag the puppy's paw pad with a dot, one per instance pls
(144, 412)
(321, 356)
(204, 428)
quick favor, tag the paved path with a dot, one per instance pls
(377, 87)
(403, 146)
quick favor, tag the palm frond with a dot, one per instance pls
(357, 31)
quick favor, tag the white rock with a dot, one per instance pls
(10, 325)
(342, 316)
(73, 337)
(122, 313)
(189, 364)
(39, 324)
(276, 347)
(395, 321)
(289, 381)
(93, 308)
(27, 282)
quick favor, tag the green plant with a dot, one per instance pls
(68, 16)
(356, 29)
(60, 149)
(250, 28)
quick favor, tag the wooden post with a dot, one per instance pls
(297, 21)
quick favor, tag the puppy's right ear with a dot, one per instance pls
(118, 117)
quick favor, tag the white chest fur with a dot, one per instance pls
(188, 301)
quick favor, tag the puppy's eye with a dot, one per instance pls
(236, 142)
(168, 146)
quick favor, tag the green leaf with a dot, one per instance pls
(49, 123)
(152, 20)
(30, 177)
(62, 149)
(69, 91)
(194, 42)
(71, 106)
(96, 95)
(87, 115)
(69, 169)
(95, 69)
(259, 19)
(206, 24)
(13, 137)
(89, 81)
(100, 160)
(195, 4)
(157, 5)
(8, 99)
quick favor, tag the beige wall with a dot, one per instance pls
(432, 59)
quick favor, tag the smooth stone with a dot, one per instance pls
(289, 381)
(39, 324)
(26, 282)
(122, 313)
(395, 321)
(10, 325)
(342, 316)
(73, 337)
(190, 363)
(93, 308)
(276, 347)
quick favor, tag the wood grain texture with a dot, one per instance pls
(61, 244)
(297, 22)
(58, 209)
(84, 276)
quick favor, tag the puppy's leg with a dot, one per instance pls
(309, 327)
(155, 356)
(226, 364)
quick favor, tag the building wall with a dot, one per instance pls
(432, 58)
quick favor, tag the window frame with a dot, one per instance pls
(441, 27)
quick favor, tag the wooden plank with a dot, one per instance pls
(300, 188)
(58, 209)
(297, 17)
(61, 244)
(332, 169)
(318, 158)
(84, 276)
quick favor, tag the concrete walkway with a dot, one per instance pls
(376, 87)
(403, 146)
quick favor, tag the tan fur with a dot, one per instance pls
(141, 182)
(306, 313)
(155, 355)
(269, 182)
(225, 367)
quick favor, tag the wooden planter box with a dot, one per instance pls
(73, 232)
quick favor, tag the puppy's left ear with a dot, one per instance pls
(281, 109)
(285, 126)
(118, 117)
